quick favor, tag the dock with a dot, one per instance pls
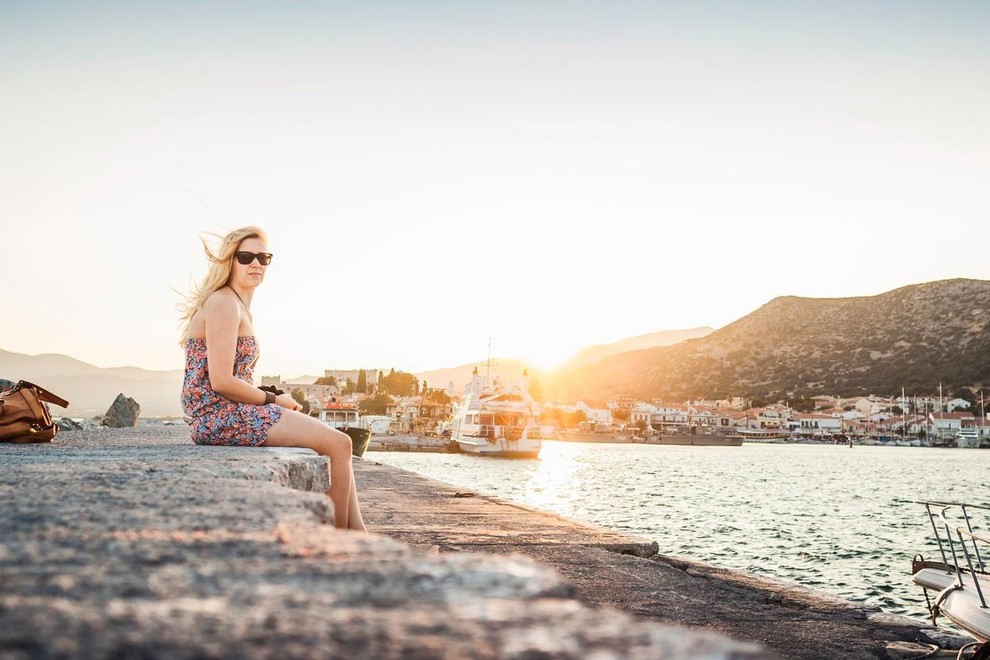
(412, 443)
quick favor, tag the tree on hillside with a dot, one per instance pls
(362, 384)
(802, 404)
(326, 380)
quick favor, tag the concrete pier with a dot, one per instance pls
(137, 543)
(134, 542)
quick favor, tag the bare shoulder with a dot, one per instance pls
(221, 302)
(220, 299)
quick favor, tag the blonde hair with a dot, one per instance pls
(218, 276)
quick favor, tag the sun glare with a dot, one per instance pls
(549, 354)
(553, 481)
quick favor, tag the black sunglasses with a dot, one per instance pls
(244, 258)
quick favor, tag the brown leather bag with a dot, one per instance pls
(24, 417)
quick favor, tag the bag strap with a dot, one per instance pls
(44, 394)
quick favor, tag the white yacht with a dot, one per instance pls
(498, 419)
(968, 438)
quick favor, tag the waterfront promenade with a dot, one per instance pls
(134, 542)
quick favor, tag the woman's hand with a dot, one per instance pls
(287, 401)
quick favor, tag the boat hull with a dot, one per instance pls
(359, 439)
(959, 604)
(963, 608)
(588, 436)
(695, 440)
(412, 443)
(501, 448)
(764, 439)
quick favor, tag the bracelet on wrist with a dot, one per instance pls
(269, 398)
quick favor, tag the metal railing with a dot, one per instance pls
(954, 539)
(490, 431)
(493, 432)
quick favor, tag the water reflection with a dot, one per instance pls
(555, 478)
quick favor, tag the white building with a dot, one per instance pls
(642, 412)
(379, 424)
(816, 423)
(956, 404)
(948, 424)
(602, 415)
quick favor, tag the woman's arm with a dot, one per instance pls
(222, 314)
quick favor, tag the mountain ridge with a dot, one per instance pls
(914, 337)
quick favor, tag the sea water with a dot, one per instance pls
(833, 518)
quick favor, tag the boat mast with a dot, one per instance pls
(983, 418)
(939, 426)
(904, 432)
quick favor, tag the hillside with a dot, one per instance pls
(90, 390)
(914, 337)
(593, 354)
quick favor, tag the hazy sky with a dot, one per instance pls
(433, 175)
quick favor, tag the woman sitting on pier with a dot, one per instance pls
(221, 350)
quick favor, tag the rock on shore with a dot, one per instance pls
(123, 412)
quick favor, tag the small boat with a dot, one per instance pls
(693, 435)
(498, 419)
(960, 581)
(346, 417)
(770, 435)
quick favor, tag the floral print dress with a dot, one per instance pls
(216, 419)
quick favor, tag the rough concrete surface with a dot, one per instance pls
(136, 543)
(616, 571)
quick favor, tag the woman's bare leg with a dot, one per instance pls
(297, 430)
(354, 518)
